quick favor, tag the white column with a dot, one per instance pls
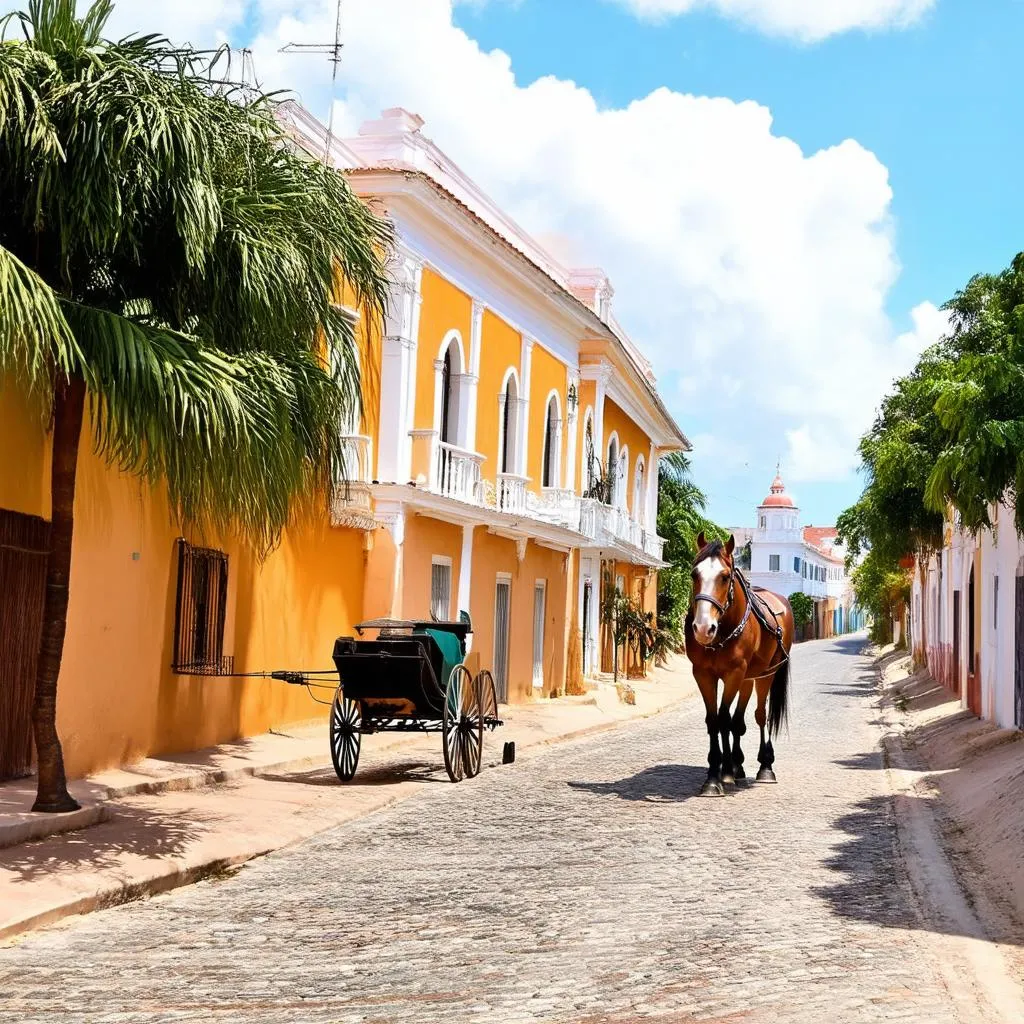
(398, 368)
(473, 377)
(524, 405)
(465, 570)
(571, 412)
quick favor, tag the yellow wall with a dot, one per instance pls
(616, 421)
(24, 454)
(492, 555)
(546, 374)
(501, 348)
(424, 538)
(444, 308)
(118, 700)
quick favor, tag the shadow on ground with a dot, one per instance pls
(664, 783)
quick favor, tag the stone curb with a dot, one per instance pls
(172, 873)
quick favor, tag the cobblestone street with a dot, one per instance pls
(584, 883)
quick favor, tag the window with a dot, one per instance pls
(552, 433)
(796, 564)
(762, 522)
(773, 563)
(509, 423)
(441, 588)
(613, 470)
(995, 602)
(638, 490)
(200, 611)
(447, 433)
(803, 570)
(591, 469)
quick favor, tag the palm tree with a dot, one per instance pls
(166, 257)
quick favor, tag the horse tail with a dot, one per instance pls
(778, 699)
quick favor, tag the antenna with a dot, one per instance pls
(333, 51)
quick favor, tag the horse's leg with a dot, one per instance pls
(766, 753)
(739, 727)
(730, 688)
(707, 683)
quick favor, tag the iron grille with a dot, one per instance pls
(200, 611)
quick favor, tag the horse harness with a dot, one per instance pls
(755, 604)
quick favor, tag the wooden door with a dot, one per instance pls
(24, 546)
(1018, 653)
(956, 642)
(502, 611)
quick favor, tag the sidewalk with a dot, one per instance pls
(171, 821)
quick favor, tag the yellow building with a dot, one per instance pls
(505, 462)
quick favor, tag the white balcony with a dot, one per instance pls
(611, 525)
(556, 505)
(351, 503)
(457, 473)
(511, 496)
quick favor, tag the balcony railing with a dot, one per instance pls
(511, 495)
(458, 473)
(351, 504)
(556, 505)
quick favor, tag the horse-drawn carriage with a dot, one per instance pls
(411, 677)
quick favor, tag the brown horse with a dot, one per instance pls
(742, 636)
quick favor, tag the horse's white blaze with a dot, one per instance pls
(704, 612)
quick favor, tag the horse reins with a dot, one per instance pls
(776, 630)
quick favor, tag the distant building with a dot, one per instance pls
(789, 558)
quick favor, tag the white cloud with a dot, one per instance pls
(753, 274)
(805, 20)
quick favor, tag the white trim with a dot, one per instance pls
(463, 597)
(503, 577)
(441, 560)
(454, 335)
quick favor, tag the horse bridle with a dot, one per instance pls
(723, 608)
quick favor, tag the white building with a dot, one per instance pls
(787, 558)
(967, 617)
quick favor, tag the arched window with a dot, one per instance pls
(638, 490)
(447, 433)
(622, 478)
(449, 378)
(552, 446)
(613, 470)
(509, 424)
(590, 470)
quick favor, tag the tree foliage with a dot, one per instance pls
(161, 240)
(803, 607)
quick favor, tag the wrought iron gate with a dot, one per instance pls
(24, 546)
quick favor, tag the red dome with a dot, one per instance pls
(778, 498)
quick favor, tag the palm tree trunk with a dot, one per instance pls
(68, 407)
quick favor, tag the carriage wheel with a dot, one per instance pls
(473, 734)
(488, 695)
(454, 722)
(345, 736)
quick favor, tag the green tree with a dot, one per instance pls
(681, 517)
(803, 608)
(979, 401)
(165, 255)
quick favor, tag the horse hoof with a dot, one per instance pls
(713, 787)
(739, 773)
(728, 779)
(766, 775)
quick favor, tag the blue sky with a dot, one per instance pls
(780, 217)
(937, 102)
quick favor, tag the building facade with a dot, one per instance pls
(504, 464)
(789, 558)
(967, 617)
